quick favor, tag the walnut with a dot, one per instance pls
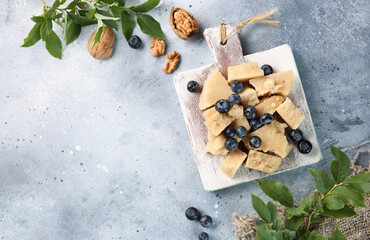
(183, 24)
(157, 47)
(104, 48)
(173, 61)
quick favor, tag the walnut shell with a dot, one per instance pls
(104, 48)
(183, 23)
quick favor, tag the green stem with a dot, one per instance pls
(309, 219)
(336, 185)
(132, 11)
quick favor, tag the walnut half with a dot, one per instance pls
(183, 24)
(157, 47)
(104, 48)
(173, 61)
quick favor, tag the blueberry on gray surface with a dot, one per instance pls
(192, 86)
(235, 99)
(192, 213)
(203, 236)
(241, 132)
(229, 132)
(296, 135)
(231, 144)
(206, 221)
(236, 86)
(266, 118)
(222, 106)
(134, 41)
(267, 69)
(304, 146)
(255, 142)
(250, 112)
(255, 124)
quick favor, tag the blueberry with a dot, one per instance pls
(192, 213)
(266, 119)
(192, 86)
(203, 236)
(234, 99)
(250, 112)
(206, 221)
(255, 142)
(236, 86)
(267, 69)
(255, 124)
(222, 106)
(229, 132)
(296, 135)
(134, 41)
(241, 132)
(304, 146)
(231, 144)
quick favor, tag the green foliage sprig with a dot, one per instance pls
(334, 198)
(80, 13)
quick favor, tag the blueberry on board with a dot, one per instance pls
(266, 118)
(236, 86)
(241, 132)
(203, 236)
(235, 99)
(296, 135)
(192, 213)
(267, 69)
(222, 106)
(134, 41)
(229, 132)
(192, 86)
(250, 112)
(255, 142)
(206, 221)
(231, 144)
(255, 124)
(304, 146)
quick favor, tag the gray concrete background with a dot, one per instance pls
(96, 149)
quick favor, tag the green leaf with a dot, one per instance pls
(316, 220)
(59, 15)
(98, 33)
(261, 223)
(307, 203)
(273, 212)
(127, 24)
(302, 233)
(340, 213)
(265, 234)
(53, 45)
(33, 36)
(277, 191)
(73, 31)
(322, 180)
(56, 4)
(149, 26)
(83, 21)
(62, 2)
(279, 223)
(146, 6)
(260, 207)
(360, 182)
(278, 235)
(46, 28)
(339, 167)
(49, 14)
(295, 210)
(332, 202)
(73, 4)
(116, 11)
(38, 19)
(294, 223)
(348, 196)
(315, 236)
(337, 235)
(109, 23)
(289, 235)
(90, 14)
(102, 17)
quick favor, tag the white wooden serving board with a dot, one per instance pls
(281, 59)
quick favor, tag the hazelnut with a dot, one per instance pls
(183, 24)
(104, 48)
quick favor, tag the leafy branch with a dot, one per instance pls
(334, 198)
(80, 13)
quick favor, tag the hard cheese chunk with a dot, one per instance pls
(216, 144)
(244, 72)
(233, 162)
(241, 122)
(214, 89)
(290, 113)
(269, 105)
(216, 122)
(273, 139)
(263, 162)
(277, 83)
(249, 97)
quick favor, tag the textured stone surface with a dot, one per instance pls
(96, 149)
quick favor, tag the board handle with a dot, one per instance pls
(226, 55)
